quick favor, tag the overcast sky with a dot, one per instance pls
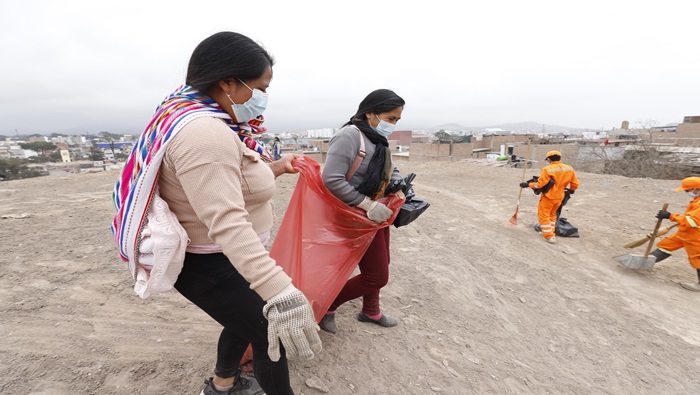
(88, 66)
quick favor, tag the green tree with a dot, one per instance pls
(442, 135)
(14, 169)
(56, 156)
(107, 136)
(96, 154)
(39, 146)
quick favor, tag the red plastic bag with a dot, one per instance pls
(321, 239)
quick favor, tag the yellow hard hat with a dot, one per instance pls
(552, 153)
(689, 183)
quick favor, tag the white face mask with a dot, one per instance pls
(252, 107)
(692, 194)
(383, 127)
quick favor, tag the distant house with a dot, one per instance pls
(65, 156)
(627, 136)
(497, 131)
(421, 139)
(18, 152)
(665, 128)
(403, 137)
(118, 146)
(690, 128)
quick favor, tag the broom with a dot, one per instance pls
(646, 238)
(514, 218)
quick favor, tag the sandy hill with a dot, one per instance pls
(484, 307)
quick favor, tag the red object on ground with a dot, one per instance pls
(321, 239)
(247, 360)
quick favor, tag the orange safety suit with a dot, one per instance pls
(564, 177)
(688, 234)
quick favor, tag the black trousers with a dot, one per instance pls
(212, 283)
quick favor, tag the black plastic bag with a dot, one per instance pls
(563, 228)
(413, 207)
(410, 211)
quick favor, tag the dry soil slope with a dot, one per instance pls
(484, 307)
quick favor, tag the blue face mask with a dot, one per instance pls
(384, 128)
(252, 107)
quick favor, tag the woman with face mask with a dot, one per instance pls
(199, 157)
(688, 234)
(360, 184)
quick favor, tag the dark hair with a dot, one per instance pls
(226, 55)
(554, 158)
(379, 101)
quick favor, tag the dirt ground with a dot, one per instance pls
(484, 307)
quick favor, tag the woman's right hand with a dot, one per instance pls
(290, 320)
(376, 211)
(284, 165)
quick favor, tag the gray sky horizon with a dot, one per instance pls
(85, 66)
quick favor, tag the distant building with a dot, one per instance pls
(16, 151)
(627, 136)
(403, 137)
(498, 131)
(118, 145)
(65, 156)
(594, 135)
(690, 128)
(421, 138)
(664, 128)
(320, 133)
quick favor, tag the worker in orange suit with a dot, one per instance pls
(688, 234)
(555, 180)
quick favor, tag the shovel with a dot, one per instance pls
(632, 261)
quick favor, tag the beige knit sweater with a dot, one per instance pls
(220, 191)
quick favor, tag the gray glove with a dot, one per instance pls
(291, 320)
(376, 211)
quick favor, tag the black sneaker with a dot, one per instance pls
(328, 323)
(243, 386)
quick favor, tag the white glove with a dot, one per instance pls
(291, 320)
(376, 211)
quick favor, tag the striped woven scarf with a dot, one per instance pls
(137, 183)
(246, 132)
